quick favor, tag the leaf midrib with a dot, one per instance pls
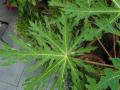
(40, 54)
(95, 11)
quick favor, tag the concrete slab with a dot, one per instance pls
(4, 86)
(11, 74)
(5, 13)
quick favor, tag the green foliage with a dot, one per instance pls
(92, 84)
(22, 27)
(25, 7)
(22, 2)
(57, 49)
(60, 44)
(111, 77)
(104, 15)
(81, 9)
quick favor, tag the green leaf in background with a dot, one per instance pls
(110, 79)
(116, 62)
(81, 9)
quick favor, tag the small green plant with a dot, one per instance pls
(56, 49)
(61, 43)
(25, 7)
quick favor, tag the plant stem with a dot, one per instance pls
(99, 64)
(114, 45)
(95, 63)
(118, 49)
(104, 48)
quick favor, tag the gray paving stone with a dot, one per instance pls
(4, 86)
(9, 16)
(10, 31)
(25, 75)
(11, 74)
(5, 13)
(20, 88)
